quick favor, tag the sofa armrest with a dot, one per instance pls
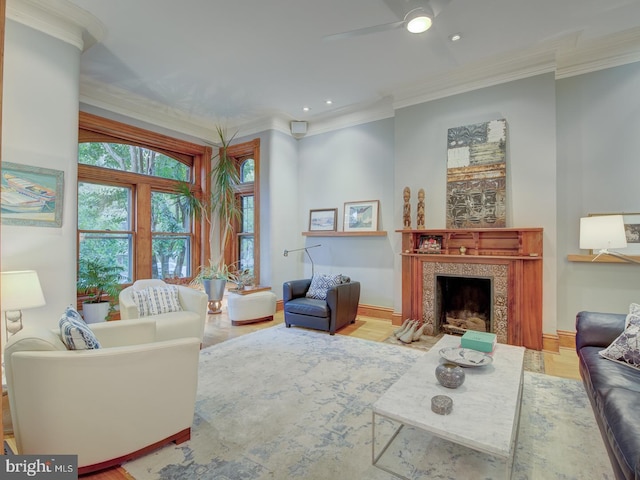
(128, 307)
(598, 329)
(343, 302)
(119, 334)
(193, 300)
(295, 289)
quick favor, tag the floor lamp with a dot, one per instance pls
(306, 249)
(20, 290)
(602, 232)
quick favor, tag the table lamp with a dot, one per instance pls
(602, 232)
(20, 290)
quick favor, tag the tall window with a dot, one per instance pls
(244, 249)
(129, 208)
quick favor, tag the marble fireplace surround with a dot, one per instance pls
(499, 275)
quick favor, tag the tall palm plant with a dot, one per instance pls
(221, 206)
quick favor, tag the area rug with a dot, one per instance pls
(296, 404)
(533, 360)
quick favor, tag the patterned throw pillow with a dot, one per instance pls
(626, 348)
(164, 299)
(75, 333)
(143, 302)
(634, 309)
(321, 283)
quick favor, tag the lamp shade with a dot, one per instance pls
(602, 232)
(21, 290)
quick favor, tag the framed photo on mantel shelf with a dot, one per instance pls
(323, 220)
(361, 216)
(430, 244)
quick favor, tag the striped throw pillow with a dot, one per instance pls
(164, 299)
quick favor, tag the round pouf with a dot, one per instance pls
(252, 307)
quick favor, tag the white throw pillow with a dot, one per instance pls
(626, 348)
(320, 284)
(634, 309)
(142, 301)
(75, 333)
(164, 299)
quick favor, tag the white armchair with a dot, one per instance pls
(189, 322)
(106, 405)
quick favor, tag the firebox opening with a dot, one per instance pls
(463, 303)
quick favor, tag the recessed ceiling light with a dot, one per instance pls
(306, 109)
(455, 37)
(328, 102)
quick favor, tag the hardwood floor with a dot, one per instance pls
(219, 328)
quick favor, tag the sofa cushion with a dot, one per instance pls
(626, 348)
(308, 306)
(75, 333)
(321, 283)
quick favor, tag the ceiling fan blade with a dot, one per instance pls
(364, 31)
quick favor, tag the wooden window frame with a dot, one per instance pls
(239, 153)
(198, 157)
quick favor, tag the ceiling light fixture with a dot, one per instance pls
(418, 20)
(455, 37)
(306, 109)
(328, 102)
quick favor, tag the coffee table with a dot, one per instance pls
(486, 408)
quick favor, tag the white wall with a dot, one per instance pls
(598, 172)
(421, 155)
(40, 128)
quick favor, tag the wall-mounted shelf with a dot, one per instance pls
(377, 233)
(600, 259)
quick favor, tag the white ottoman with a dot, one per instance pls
(251, 307)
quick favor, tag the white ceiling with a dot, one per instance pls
(250, 61)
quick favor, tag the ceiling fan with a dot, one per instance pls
(417, 17)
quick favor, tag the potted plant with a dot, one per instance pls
(96, 279)
(221, 206)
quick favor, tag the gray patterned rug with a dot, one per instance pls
(296, 404)
(533, 360)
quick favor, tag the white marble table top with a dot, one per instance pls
(485, 407)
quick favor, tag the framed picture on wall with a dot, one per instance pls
(361, 216)
(631, 229)
(31, 196)
(323, 220)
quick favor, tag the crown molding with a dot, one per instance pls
(606, 52)
(59, 19)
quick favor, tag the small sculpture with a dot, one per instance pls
(406, 216)
(420, 219)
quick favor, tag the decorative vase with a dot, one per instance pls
(450, 375)
(95, 312)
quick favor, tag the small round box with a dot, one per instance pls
(441, 404)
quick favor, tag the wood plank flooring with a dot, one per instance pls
(219, 328)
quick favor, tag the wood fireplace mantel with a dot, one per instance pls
(513, 255)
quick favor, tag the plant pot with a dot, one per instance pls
(95, 312)
(215, 290)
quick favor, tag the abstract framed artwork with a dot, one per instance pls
(631, 229)
(361, 216)
(31, 196)
(476, 175)
(323, 220)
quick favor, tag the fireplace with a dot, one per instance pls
(507, 262)
(463, 303)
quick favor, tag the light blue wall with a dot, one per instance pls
(347, 165)
(421, 161)
(598, 172)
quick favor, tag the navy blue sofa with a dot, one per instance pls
(613, 389)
